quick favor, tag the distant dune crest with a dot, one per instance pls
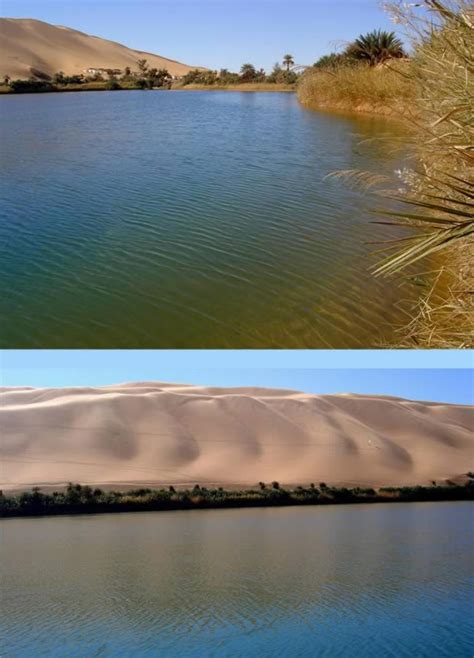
(158, 433)
(27, 44)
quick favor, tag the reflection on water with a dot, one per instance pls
(188, 220)
(386, 580)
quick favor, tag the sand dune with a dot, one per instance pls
(26, 43)
(169, 433)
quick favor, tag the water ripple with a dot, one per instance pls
(159, 234)
(281, 582)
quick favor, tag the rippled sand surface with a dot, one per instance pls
(161, 433)
(156, 219)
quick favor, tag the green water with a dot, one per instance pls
(155, 219)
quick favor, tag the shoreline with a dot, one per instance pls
(78, 499)
(342, 108)
(362, 109)
(244, 87)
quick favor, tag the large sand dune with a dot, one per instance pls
(26, 43)
(165, 433)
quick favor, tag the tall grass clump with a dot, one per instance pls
(383, 89)
(435, 196)
(438, 194)
(370, 74)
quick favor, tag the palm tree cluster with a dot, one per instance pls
(376, 47)
(373, 48)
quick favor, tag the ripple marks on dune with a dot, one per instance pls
(172, 432)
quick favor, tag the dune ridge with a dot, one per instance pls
(158, 433)
(27, 43)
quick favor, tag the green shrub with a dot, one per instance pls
(112, 85)
(31, 86)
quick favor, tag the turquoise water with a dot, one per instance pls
(375, 581)
(157, 219)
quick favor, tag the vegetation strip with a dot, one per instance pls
(249, 79)
(79, 499)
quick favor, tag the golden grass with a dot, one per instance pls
(379, 90)
(441, 192)
(445, 322)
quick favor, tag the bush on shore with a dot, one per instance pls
(30, 86)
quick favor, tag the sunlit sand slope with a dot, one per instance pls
(26, 43)
(165, 433)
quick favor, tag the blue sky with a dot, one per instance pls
(214, 33)
(424, 375)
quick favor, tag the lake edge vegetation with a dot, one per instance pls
(83, 499)
(432, 92)
(368, 75)
(94, 80)
(248, 79)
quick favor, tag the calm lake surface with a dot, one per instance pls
(195, 219)
(373, 581)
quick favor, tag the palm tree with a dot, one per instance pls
(376, 47)
(288, 61)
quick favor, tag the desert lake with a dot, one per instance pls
(371, 580)
(190, 219)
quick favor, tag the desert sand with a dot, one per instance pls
(154, 433)
(26, 43)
